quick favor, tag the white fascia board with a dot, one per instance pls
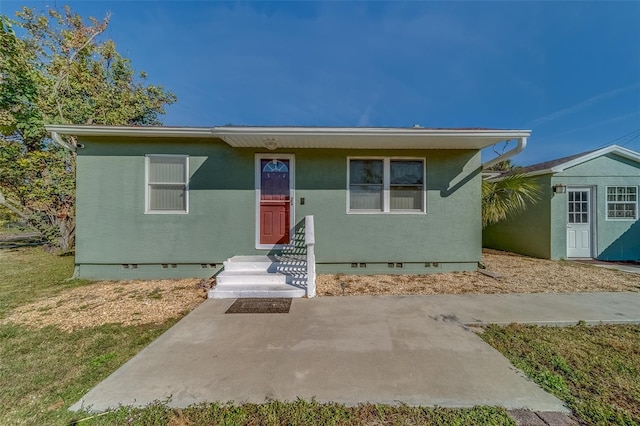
(612, 149)
(135, 131)
(540, 172)
(367, 131)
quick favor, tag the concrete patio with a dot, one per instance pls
(416, 350)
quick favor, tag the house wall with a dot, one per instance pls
(528, 232)
(614, 239)
(113, 230)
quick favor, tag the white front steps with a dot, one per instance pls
(261, 276)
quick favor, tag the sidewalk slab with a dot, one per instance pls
(632, 269)
(415, 350)
(623, 267)
(531, 418)
(543, 308)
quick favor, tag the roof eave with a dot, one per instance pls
(311, 137)
(612, 149)
(131, 131)
(364, 138)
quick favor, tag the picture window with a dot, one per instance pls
(386, 185)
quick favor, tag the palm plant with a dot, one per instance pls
(507, 196)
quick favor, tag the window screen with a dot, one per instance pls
(366, 184)
(406, 185)
(167, 183)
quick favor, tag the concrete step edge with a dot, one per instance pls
(234, 294)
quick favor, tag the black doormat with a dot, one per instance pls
(260, 306)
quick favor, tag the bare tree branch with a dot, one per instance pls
(99, 30)
(4, 202)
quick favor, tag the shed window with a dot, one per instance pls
(167, 183)
(622, 202)
(386, 185)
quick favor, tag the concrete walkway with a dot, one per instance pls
(630, 268)
(411, 349)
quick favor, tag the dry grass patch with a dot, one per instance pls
(113, 302)
(519, 274)
(154, 302)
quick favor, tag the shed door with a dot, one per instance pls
(275, 199)
(579, 222)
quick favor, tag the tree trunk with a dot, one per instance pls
(66, 229)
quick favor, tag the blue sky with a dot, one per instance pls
(569, 71)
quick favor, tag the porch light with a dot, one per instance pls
(270, 144)
(559, 188)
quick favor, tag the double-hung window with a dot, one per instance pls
(366, 185)
(386, 185)
(622, 202)
(167, 186)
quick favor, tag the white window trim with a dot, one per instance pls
(147, 200)
(386, 186)
(606, 204)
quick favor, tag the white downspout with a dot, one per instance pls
(57, 139)
(522, 143)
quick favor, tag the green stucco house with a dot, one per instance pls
(255, 205)
(589, 209)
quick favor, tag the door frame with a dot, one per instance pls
(592, 217)
(258, 190)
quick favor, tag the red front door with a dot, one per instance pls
(275, 199)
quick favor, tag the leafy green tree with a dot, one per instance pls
(60, 72)
(7, 217)
(507, 196)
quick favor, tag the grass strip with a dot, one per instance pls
(594, 369)
(303, 412)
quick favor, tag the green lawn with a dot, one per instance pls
(28, 274)
(45, 371)
(595, 370)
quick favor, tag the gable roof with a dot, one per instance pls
(313, 137)
(560, 164)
